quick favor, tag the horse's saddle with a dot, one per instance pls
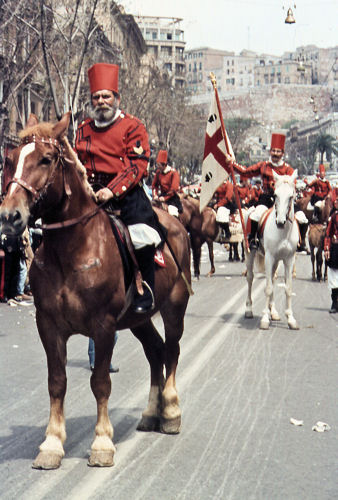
(126, 249)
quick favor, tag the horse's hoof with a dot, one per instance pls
(103, 458)
(47, 461)
(149, 424)
(248, 314)
(275, 317)
(172, 426)
(264, 325)
(293, 325)
(195, 278)
(210, 274)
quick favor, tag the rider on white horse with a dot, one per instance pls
(265, 170)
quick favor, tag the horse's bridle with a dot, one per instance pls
(38, 195)
(289, 209)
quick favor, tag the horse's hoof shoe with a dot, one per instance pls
(264, 325)
(47, 461)
(101, 458)
(149, 424)
(172, 426)
(293, 326)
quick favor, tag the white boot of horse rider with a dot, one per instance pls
(172, 210)
(223, 219)
(255, 217)
(303, 225)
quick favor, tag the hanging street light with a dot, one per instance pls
(289, 16)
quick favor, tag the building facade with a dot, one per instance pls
(165, 43)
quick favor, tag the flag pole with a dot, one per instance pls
(238, 201)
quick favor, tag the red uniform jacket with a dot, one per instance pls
(264, 170)
(244, 193)
(121, 149)
(331, 235)
(321, 188)
(166, 185)
(224, 194)
(255, 193)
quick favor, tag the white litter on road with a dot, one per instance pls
(321, 427)
(294, 421)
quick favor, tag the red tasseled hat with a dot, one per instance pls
(322, 169)
(278, 141)
(104, 76)
(162, 156)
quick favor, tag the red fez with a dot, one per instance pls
(104, 76)
(322, 169)
(162, 156)
(278, 141)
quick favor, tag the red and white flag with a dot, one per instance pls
(214, 171)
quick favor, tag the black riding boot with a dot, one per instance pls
(334, 296)
(145, 258)
(316, 215)
(225, 228)
(252, 237)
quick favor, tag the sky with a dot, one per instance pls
(257, 25)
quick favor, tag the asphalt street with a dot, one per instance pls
(239, 387)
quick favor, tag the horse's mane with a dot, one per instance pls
(45, 129)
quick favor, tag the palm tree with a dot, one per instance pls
(325, 143)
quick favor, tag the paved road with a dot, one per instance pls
(239, 387)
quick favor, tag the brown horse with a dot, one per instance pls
(78, 286)
(202, 228)
(316, 240)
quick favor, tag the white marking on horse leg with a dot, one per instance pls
(53, 445)
(26, 150)
(153, 407)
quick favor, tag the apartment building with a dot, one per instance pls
(199, 63)
(164, 38)
(282, 72)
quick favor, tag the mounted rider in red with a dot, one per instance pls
(321, 188)
(265, 169)
(166, 184)
(114, 148)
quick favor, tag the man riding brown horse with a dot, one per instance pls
(166, 184)
(114, 148)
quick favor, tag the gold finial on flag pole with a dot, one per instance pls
(212, 77)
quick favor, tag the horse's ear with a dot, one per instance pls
(276, 176)
(32, 121)
(61, 127)
(294, 175)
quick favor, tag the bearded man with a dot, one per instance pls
(265, 169)
(114, 148)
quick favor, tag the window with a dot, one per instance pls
(154, 35)
(169, 36)
(200, 65)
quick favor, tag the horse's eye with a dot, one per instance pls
(45, 160)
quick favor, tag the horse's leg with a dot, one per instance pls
(211, 258)
(196, 245)
(172, 313)
(231, 246)
(236, 254)
(273, 311)
(249, 278)
(243, 252)
(270, 270)
(102, 449)
(319, 258)
(51, 450)
(153, 347)
(288, 293)
(313, 258)
(325, 270)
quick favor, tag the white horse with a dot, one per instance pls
(278, 242)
